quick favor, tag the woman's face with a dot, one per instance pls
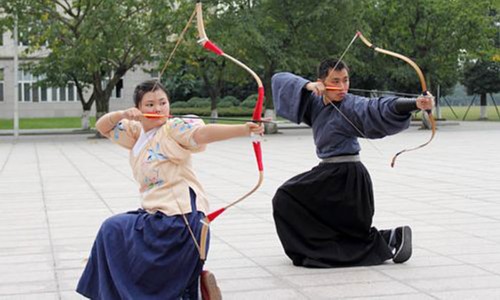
(155, 103)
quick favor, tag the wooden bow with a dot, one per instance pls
(257, 114)
(422, 83)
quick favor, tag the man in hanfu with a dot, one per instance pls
(324, 216)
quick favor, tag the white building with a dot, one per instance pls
(37, 102)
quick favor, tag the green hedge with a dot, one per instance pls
(205, 111)
(231, 99)
(199, 102)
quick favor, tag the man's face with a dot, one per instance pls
(338, 80)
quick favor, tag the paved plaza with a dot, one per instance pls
(55, 190)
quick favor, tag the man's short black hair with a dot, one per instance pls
(328, 64)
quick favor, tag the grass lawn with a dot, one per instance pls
(44, 123)
(472, 115)
(74, 122)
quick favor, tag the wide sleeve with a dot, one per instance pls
(182, 131)
(378, 117)
(125, 133)
(291, 100)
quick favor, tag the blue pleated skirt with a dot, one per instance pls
(137, 255)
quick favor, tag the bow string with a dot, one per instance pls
(206, 43)
(421, 79)
(256, 117)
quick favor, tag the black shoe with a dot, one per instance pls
(402, 245)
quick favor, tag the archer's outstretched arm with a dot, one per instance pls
(219, 132)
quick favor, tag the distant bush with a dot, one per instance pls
(235, 101)
(179, 104)
(225, 103)
(205, 111)
(250, 101)
(198, 102)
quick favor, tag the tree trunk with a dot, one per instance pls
(86, 106)
(214, 115)
(483, 115)
(85, 120)
(270, 128)
(102, 107)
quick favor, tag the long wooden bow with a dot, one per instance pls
(256, 117)
(257, 112)
(422, 83)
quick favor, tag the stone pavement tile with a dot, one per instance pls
(363, 289)
(231, 263)
(26, 258)
(257, 252)
(70, 275)
(251, 243)
(274, 294)
(337, 277)
(26, 276)
(456, 242)
(478, 294)
(249, 284)
(435, 272)
(287, 269)
(64, 264)
(415, 296)
(454, 218)
(69, 286)
(80, 254)
(484, 258)
(32, 296)
(241, 273)
(19, 267)
(482, 248)
(22, 288)
(458, 283)
(71, 295)
(22, 203)
(217, 252)
(492, 267)
(38, 249)
(421, 257)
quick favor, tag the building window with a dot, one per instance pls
(117, 92)
(154, 74)
(24, 83)
(1, 84)
(29, 91)
(118, 89)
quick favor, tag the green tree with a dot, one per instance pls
(433, 33)
(92, 42)
(207, 72)
(276, 35)
(482, 78)
(481, 72)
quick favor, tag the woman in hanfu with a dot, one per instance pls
(154, 252)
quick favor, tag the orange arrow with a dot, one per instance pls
(333, 88)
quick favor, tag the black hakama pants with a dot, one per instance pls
(324, 218)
